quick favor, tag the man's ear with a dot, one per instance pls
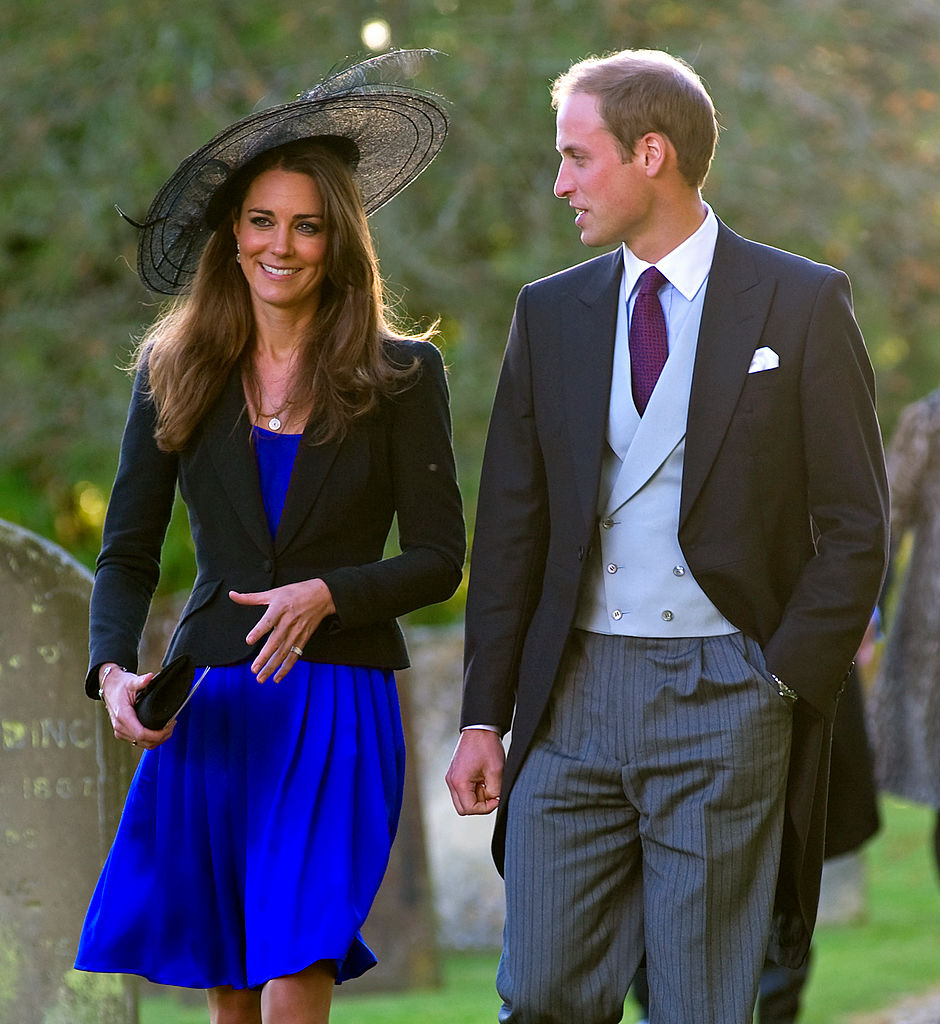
(652, 149)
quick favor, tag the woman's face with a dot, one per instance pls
(282, 240)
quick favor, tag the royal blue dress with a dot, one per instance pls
(252, 843)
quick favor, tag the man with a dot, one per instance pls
(665, 598)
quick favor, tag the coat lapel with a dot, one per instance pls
(228, 439)
(586, 365)
(310, 470)
(737, 302)
(228, 436)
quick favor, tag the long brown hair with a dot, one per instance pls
(345, 366)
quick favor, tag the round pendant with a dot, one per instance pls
(274, 423)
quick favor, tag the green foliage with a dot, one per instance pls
(831, 111)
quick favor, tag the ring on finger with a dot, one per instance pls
(296, 650)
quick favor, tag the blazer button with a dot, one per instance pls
(268, 566)
(668, 616)
(679, 570)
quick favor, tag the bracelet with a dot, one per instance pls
(107, 671)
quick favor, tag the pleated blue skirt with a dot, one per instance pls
(252, 843)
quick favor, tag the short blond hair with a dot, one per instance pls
(641, 91)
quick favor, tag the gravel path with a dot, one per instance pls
(915, 1010)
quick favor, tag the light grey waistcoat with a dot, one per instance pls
(636, 580)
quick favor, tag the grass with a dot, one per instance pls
(856, 969)
(862, 968)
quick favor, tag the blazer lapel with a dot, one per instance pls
(228, 438)
(586, 364)
(310, 470)
(736, 305)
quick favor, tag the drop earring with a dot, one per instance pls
(238, 253)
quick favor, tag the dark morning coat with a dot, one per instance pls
(782, 518)
(338, 511)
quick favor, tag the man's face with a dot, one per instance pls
(612, 198)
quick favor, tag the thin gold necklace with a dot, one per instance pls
(273, 418)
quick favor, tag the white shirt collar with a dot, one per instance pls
(687, 266)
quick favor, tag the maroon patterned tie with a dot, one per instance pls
(648, 347)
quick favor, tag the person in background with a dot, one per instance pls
(297, 422)
(680, 538)
(904, 705)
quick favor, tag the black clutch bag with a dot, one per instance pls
(164, 696)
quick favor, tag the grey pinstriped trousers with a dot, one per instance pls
(647, 816)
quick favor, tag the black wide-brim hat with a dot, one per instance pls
(395, 132)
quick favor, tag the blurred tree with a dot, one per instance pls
(831, 147)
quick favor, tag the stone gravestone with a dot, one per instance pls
(62, 780)
(468, 893)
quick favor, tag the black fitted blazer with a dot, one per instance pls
(783, 513)
(339, 508)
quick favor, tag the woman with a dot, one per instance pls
(296, 424)
(905, 699)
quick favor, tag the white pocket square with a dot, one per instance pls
(764, 359)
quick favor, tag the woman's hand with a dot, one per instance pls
(119, 690)
(294, 611)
